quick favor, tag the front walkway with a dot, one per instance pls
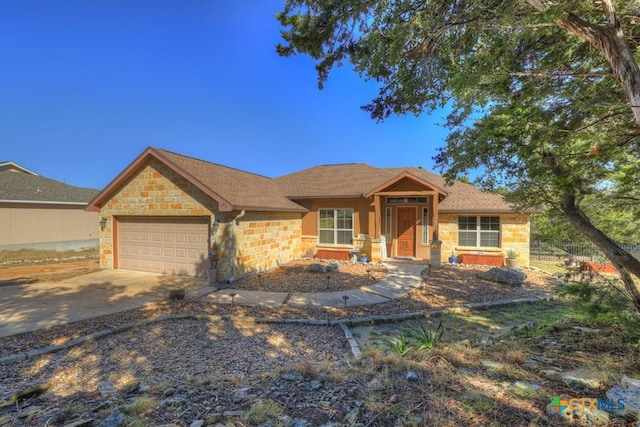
(402, 278)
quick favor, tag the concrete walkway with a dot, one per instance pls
(402, 277)
(25, 308)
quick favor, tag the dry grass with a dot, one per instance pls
(31, 256)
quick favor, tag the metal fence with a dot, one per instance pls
(559, 251)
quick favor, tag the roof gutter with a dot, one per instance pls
(43, 202)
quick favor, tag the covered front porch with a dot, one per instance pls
(405, 218)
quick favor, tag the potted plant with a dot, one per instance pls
(363, 258)
(512, 258)
(453, 258)
(212, 270)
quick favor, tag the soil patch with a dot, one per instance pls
(32, 273)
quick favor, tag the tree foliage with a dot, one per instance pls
(545, 94)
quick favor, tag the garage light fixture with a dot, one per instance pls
(103, 222)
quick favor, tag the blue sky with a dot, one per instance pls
(86, 86)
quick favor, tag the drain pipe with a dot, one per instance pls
(234, 222)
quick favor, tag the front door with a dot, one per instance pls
(406, 231)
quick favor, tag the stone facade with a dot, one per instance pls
(154, 191)
(257, 241)
(514, 234)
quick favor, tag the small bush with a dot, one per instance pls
(262, 411)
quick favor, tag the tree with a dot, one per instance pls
(545, 94)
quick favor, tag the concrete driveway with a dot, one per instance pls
(25, 308)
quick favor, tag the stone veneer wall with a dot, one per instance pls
(514, 234)
(155, 191)
(258, 241)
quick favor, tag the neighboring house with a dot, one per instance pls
(40, 213)
(165, 213)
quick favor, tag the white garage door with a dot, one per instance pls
(177, 246)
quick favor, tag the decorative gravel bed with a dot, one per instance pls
(314, 276)
(199, 369)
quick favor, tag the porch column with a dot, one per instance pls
(434, 208)
(377, 225)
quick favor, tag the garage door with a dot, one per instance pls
(177, 246)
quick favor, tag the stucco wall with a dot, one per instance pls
(25, 223)
(514, 234)
(155, 191)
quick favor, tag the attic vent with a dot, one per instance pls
(38, 190)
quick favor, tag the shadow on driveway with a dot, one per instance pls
(31, 307)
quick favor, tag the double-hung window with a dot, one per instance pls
(479, 231)
(336, 226)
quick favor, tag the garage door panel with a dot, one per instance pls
(172, 245)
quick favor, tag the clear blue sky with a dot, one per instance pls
(86, 86)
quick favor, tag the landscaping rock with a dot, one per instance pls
(581, 380)
(412, 376)
(292, 376)
(506, 275)
(583, 415)
(333, 266)
(375, 385)
(352, 417)
(115, 419)
(315, 384)
(240, 395)
(630, 394)
(490, 364)
(316, 268)
(525, 386)
(197, 423)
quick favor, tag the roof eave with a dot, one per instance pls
(97, 202)
(478, 210)
(44, 202)
(269, 209)
(400, 177)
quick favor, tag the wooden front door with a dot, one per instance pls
(406, 231)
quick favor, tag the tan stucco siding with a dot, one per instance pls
(154, 191)
(24, 223)
(363, 214)
(263, 240)
(514, 234)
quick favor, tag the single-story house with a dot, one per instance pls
(41, 213)
(168, 213)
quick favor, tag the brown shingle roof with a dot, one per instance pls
(233, 189)
(243, 190)
(355, 179)
(28, 187)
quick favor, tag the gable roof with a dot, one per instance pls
(233, 189)
(32, 188)
(357, 179)
(14, 167)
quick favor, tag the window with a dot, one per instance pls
(483, 229)
(336, 226)
(387, 224)
(405, 200)
(425, 226)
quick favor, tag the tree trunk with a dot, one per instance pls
(623, 261)
(610, 40)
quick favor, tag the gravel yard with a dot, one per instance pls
(296, 276)
(209, 367)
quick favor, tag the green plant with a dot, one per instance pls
(512, 254)
(426, 339)
(400, 345)
(261, 411)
